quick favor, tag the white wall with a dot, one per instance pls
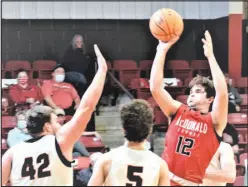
(111, 9)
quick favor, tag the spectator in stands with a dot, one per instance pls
(234, 98)
(58, 94)
(83, 176)
(19, 133)
(230, 135)
(24, 93)
(76, 63)
(6, 109)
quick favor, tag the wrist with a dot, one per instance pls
(211, 57)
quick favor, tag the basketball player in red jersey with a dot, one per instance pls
(194, 133)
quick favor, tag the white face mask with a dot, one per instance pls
(21, 124)
(59, 78)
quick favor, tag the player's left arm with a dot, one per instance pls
(69, 133)
(97, 178)
(227, 172)
(6, 166)
(220, 103)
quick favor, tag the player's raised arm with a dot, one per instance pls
(220, 103)
(71, 131)
(162, 97)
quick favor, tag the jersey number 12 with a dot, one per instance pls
(28, 167)
(188, 143)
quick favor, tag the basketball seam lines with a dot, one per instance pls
(160, 28)
(166, 23)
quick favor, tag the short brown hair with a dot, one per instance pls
(206, 83)
(137, 120)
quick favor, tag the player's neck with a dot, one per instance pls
(136, 146)
(41, 134)
(202, 109)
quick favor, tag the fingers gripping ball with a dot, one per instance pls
(165, 23)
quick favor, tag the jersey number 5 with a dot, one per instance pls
(188, 143)
(28, 168)
(134, 178)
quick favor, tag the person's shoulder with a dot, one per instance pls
(155, 156)
(225, 148)
(69, 85)
(13, 87)
(47, 82)
(13, 131)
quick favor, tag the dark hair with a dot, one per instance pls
(230, 130)
(59, 66)
(206, 83)
(137, 120)
(37, 117)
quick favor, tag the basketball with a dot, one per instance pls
(165, 23)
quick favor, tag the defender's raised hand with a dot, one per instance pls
(207, 45)
(102, 65)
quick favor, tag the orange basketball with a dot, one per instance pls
(165, 23)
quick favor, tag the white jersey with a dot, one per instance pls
(131, 167)
(224, 153)
(39, 162)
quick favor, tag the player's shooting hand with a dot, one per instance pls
(165, 46)
(102, 65)
(207, 45)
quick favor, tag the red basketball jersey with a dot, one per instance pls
(190, 144)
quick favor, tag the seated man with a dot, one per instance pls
(24, 93)
(19, 133)
(58, 94)
(234, 98)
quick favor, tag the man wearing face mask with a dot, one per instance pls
(23, 92)
(19, 133)
(58, 94)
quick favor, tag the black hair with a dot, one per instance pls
(37, 117)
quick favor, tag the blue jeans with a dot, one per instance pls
(75, 77)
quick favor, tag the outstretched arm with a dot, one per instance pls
(71, 131)
(162, 97)
(220, 104)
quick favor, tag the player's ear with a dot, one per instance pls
(210, 99)
(47, 128)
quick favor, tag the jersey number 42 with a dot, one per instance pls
(28, 167)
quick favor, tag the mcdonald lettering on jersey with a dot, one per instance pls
(192, 125)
